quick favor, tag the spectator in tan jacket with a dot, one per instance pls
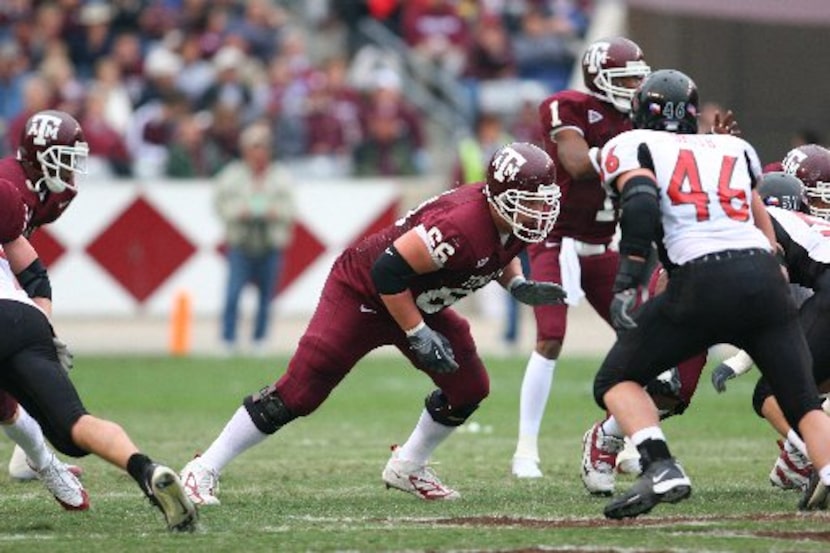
(254, 199)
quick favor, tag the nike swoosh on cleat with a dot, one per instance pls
(656, 478)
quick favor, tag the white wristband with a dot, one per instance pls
(415, 329)
(593, 157)
(741, 362)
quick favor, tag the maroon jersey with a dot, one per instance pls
(12, 212)
(462, 238)
(586, 213)
(41, 208)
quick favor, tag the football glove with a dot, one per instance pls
(736, 365)
(531, 292)
(622, 307)
(65, 356)
(433, 350)
(720, 375)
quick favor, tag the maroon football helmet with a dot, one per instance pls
(608, 60)
(52, 149)
(521, 187)
(811, 164)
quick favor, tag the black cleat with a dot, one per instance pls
(662, 482)
(167, 493)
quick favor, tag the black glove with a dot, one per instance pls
(531, 292)
(720, 375)
(621, 309)
(64, 355)
(433, 350)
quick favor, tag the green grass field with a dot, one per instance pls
(315, 485)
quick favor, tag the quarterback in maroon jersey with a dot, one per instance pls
(40, 182)
(575, 125)
(396, 287)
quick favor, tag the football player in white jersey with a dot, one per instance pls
(806, 248)
(694, 196)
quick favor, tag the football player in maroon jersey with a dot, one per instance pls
(395, 288)
(576, 124)
(52, 150)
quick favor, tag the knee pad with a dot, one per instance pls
(443, 413)
(761, 393)
(267, 410)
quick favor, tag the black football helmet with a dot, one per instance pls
(52, 150)
(521, 187)
(666, 100)
(606, 62)
(782, 190)
(811, 164)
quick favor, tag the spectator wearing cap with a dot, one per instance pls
(254, 199)
(393, 140)
(161, 73)
(230, 90)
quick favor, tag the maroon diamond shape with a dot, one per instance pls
(49, 250)
(304, 248)
(141, 249)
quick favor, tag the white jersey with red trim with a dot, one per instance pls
(9, 287)
(705, 183)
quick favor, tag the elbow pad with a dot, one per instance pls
(391, 272)
(35, 280)
(640, 216)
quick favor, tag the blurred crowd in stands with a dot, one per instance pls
(163, 88)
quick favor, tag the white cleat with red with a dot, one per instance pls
(599, 460)
(200, 483)
(792, 468)
(419, 480)
(64, 485)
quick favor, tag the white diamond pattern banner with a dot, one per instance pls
(126, 249)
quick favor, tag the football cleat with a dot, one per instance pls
(792, 468)
(167, 493)
(201, 483)
(816, 494)
(599, 459)
(64, 485)
(525, 467)
(662, 482)
(21, 471)
(419, 480)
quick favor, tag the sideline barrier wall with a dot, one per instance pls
(126, 248)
